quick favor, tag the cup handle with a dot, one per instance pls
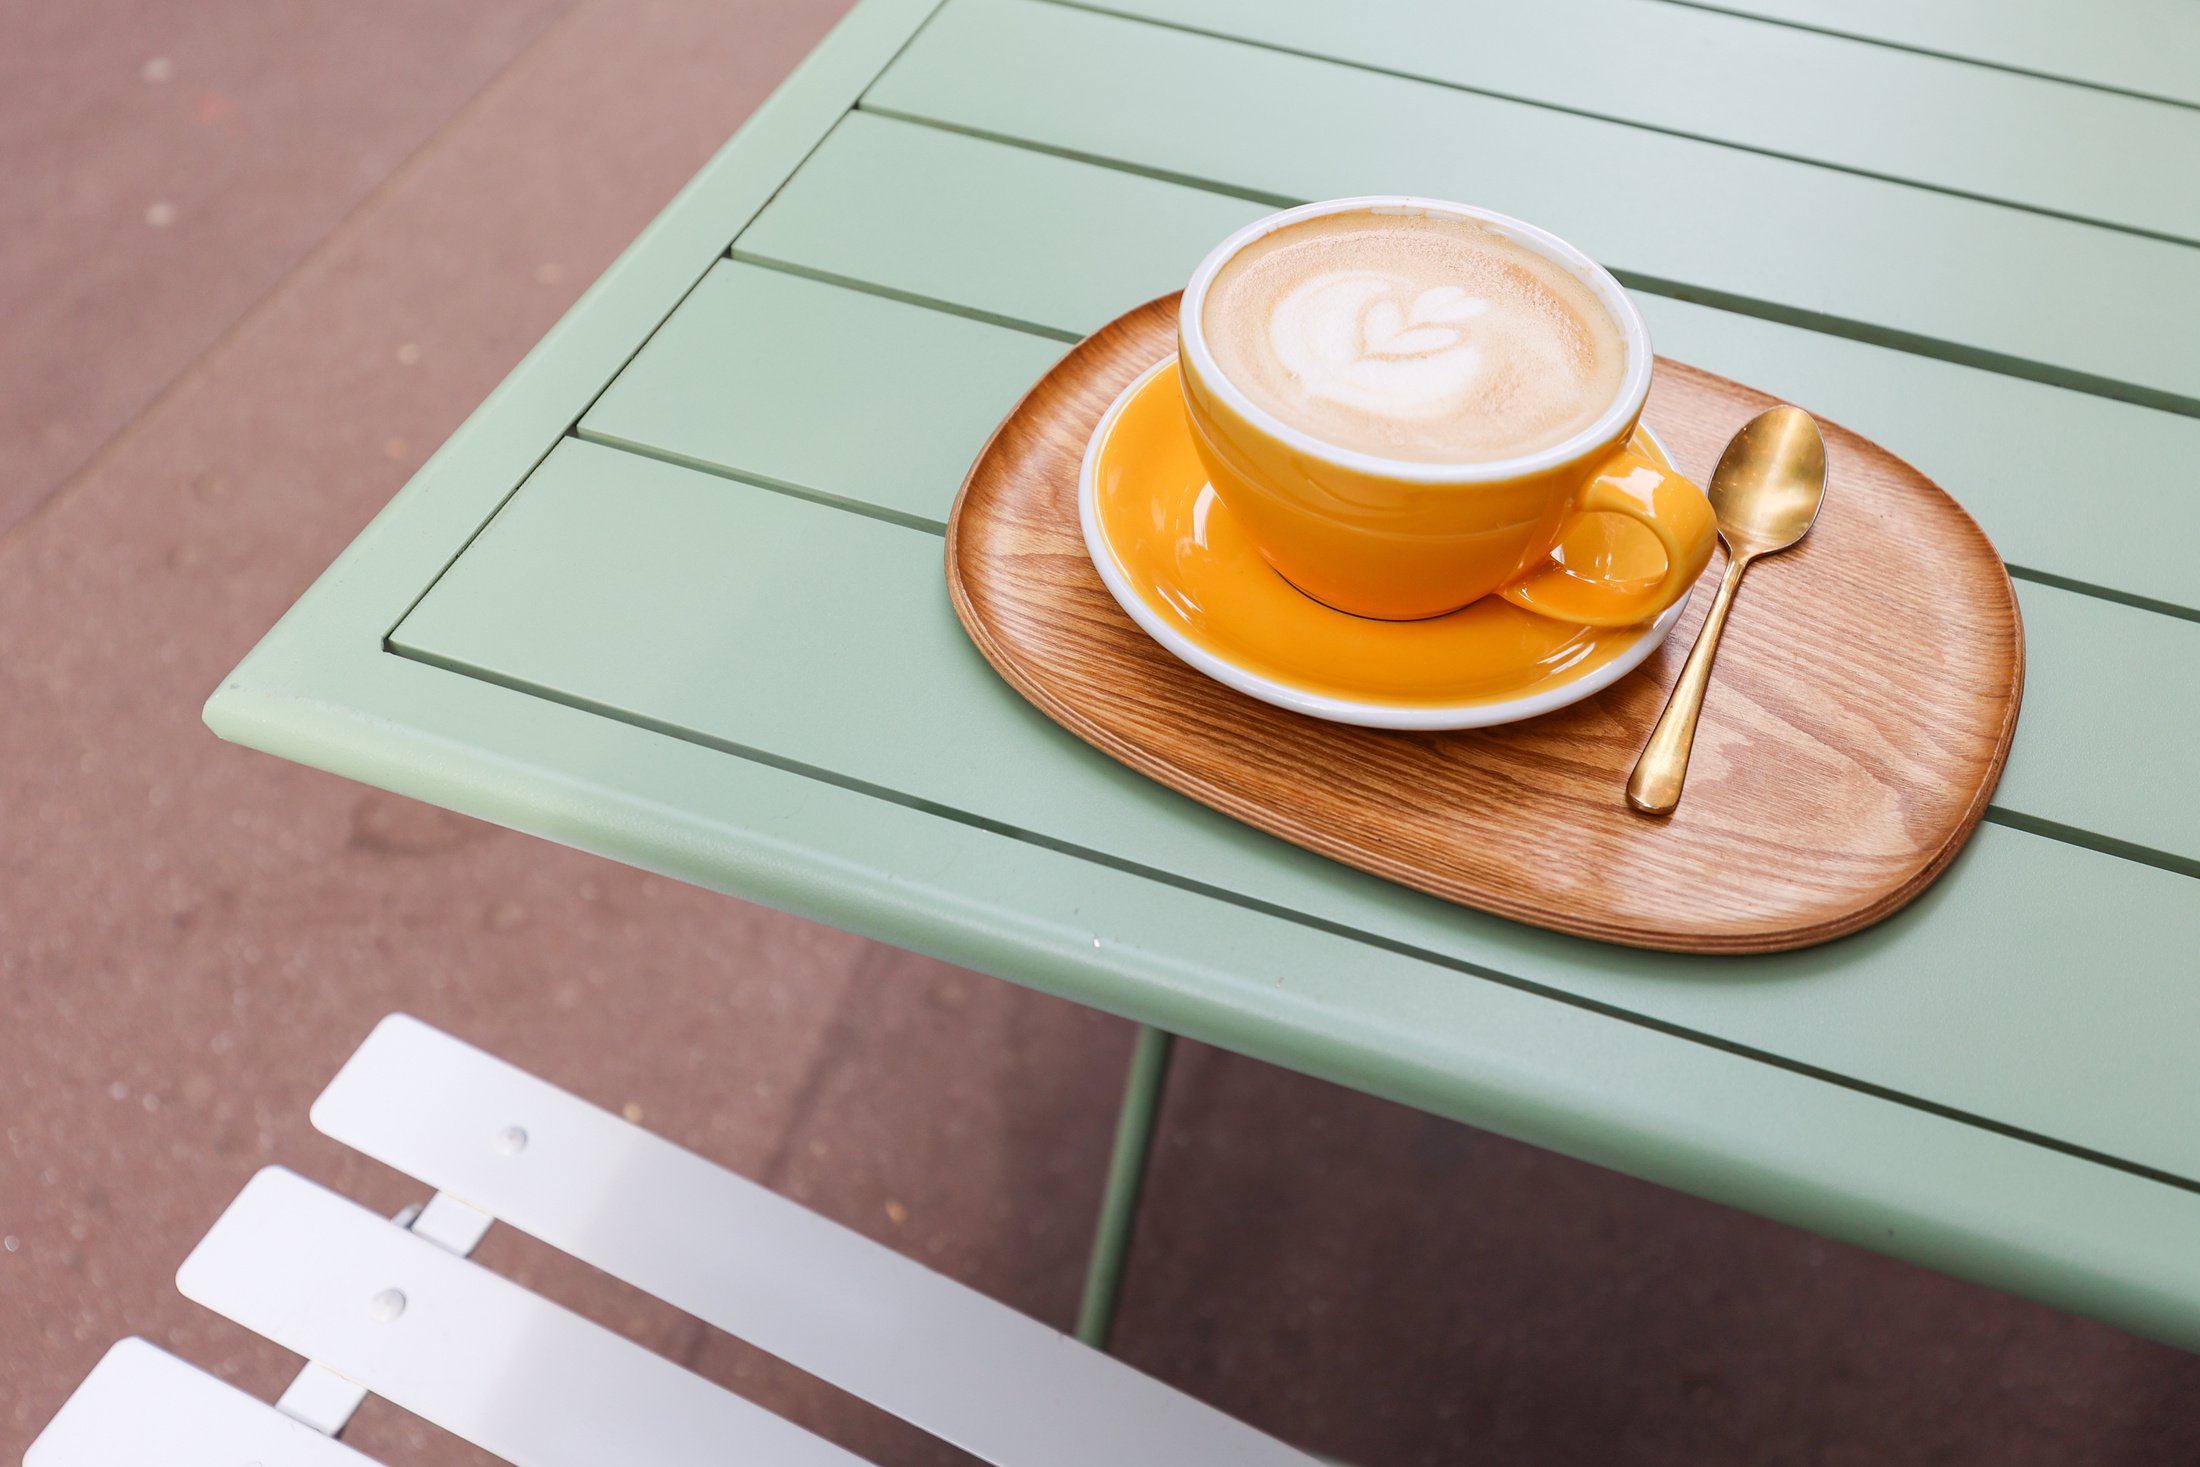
(1628, 483)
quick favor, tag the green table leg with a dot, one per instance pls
(1111, 1244)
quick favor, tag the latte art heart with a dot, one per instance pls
(1346, 339)
(1412, 336)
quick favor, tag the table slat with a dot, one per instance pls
(825, 390)
(2040, 296)
(1777, 89)
(2105, 740)
(569, 592)
(999, 231)
(2148, 47)
(2038, 465)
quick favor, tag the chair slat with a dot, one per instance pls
(141, 1405)
(472, 1352)
(997, 1383)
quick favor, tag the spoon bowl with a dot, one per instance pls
(1769, 483)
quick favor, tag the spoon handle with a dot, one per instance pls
(1655, 786)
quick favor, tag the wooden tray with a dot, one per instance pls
(1859, 716)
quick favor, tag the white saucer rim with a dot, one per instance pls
(1364, 714)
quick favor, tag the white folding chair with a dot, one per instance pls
(397, 1310)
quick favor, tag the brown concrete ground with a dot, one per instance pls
(388, 207)
(168, 164)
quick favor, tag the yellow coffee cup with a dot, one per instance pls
(1400, 539)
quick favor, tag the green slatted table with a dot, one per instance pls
(673, 594)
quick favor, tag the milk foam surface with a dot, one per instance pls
(1414, 337)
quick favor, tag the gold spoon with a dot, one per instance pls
(1765, 494)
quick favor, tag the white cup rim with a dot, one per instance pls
(1626, 405)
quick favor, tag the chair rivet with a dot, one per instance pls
(511, 1141)
(387, 1305)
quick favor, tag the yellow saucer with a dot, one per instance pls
(1183, 569)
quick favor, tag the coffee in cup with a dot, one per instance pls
(1407, 403)
(1413, 336)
